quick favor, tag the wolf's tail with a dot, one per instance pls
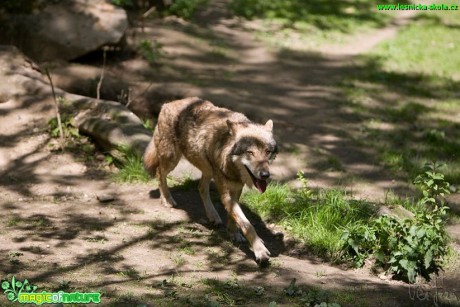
(151, 161)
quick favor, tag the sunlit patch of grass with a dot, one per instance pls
(317, 220)
(427, 46)
(311, 24)
(130, 168)
(409, 86)
(186, 182)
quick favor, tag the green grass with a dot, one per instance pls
(131, 168)
(406, 94)
(326, 15)
(185, 9)
(429, 46)
(150, 50)
(341, 229)
(312, 23)
(14, 221)
(318, 220)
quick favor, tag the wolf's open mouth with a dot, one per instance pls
(260, 184)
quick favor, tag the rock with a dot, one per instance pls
(398, 212)
(83, 80)
(383, 276)
(105, 198)
(110, 123)
(65, 29)
(19, 76)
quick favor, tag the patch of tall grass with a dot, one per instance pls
(318, 219)
(130, 167)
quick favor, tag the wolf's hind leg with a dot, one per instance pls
(211, 212)
(234, 231)
(169, 158)
(232, 227)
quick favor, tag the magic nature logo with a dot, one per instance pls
(25, 293)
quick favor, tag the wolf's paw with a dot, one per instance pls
(261, 252)
(214, 218)
(237, 237)
(168, 202)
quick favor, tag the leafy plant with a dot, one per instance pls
(151, 51)
(68, 129)
(148, 124)
(305, 192)
(185, 8)
(123, 3)
(432, 184)
(407, 247)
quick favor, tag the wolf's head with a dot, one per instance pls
(253, 151)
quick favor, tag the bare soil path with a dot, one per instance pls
(55, 231)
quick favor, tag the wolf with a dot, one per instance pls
(226, 146)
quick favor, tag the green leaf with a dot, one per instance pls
(438, 176)
(354, 245)
(380, 256)
(404, 263)
(292, 288)
(428, 258)
(420, 233)
(411, 275)
(412, 230)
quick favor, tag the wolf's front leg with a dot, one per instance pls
(236, 214)
(257, 244)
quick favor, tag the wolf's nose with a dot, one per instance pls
(264, 174)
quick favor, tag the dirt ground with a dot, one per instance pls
(56, 233)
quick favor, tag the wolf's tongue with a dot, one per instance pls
(261, 185)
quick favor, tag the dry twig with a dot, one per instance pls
(58, 114)
(99, 84)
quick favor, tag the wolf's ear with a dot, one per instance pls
(231, 127)
(269, 125)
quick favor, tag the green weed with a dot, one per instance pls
(185, 8)
(316, 220)
(177, 258)
(123, 3)
(131, 168)
(128, 273)
(185, 183)
(70, 132)
(151, 51)
(338, 228)
(407, 247)
(14, 221)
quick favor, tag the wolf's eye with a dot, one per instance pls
(271, 156)
(268, 152)
(251, 153)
